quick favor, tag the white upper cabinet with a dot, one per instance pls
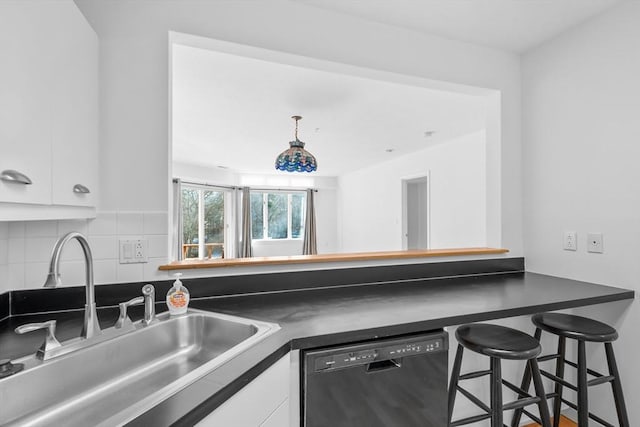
(26, 99)
(48, 110)
(75, 126)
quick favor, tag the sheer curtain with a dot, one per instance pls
(177, 220)
(309, 244)
(244, 249)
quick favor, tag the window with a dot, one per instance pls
(211, 219)
(277, 215)
(203, 222)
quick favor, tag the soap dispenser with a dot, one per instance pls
(177, 297)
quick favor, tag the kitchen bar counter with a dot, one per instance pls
(329, 316)
(187, 264)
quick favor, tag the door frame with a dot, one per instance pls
(404, 181)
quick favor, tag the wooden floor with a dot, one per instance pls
(564, 422)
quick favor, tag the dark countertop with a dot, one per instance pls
(328, 316)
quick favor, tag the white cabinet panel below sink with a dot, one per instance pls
(280, 417)
(261, 403)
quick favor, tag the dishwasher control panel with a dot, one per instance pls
(383, 352)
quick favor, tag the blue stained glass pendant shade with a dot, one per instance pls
(296, 158)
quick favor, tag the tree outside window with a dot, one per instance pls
(277, 215)
(214, 222)
(257, 215)
(190, 208)
(203, 223)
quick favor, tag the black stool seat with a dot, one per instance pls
(575, 327)
(498, 341)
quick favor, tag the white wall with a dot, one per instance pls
(581, 96)
(25, 249)
(371, 198)
(134, 82)
(201, 174)
(277, 247)
(4, 257)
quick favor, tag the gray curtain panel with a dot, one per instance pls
(177, 220)
(310, 245)
(245, 250)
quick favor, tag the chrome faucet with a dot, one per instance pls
(90, 326)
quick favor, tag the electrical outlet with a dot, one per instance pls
(570, 242)
(594, 243)
(133, 251)
(139, 248)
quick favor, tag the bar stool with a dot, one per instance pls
(582, 330)
(497, 342)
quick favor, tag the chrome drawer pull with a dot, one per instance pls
(10, 175)
(80, 189)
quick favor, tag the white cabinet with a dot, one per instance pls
(48, 108)
(279, 417)
(264, 402)
(75, 95)
(25, 94)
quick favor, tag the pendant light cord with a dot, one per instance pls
(296, 118)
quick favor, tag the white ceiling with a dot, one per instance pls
(514, 25)
(235, 112)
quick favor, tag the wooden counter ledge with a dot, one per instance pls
(304, 259)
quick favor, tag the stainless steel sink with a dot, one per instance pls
(113, 381)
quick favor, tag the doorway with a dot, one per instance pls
(415, 207)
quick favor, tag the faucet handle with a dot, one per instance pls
(50, 341)
(123, 319)
(149, 293)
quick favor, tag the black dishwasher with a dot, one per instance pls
(395, 382)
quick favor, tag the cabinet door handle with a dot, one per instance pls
(10, 175)
(80, 189)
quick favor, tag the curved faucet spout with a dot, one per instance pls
(90, 327)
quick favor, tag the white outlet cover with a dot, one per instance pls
(140, 250)
(570, 241)
(133, 251)
(594, 243)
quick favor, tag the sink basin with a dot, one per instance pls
(112, 382)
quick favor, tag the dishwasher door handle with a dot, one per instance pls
(383, 365)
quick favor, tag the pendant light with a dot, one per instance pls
(296, 158)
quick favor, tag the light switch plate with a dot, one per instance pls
(133, 251)
(594, 243)
(570, 241)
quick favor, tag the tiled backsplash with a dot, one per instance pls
(25, 249)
